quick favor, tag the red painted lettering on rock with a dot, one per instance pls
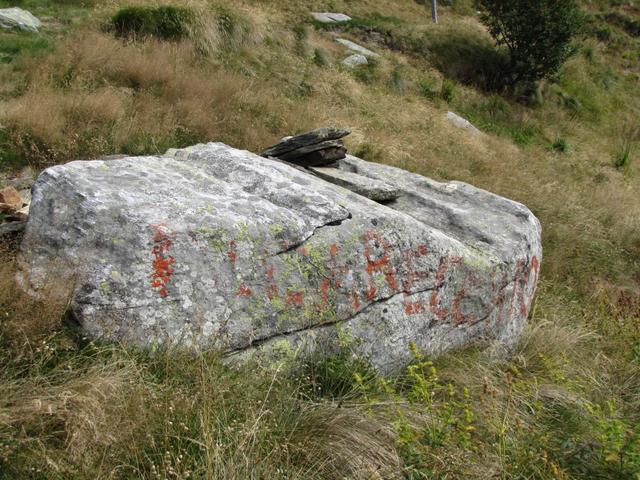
(161, 267)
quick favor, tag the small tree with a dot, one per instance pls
(537, 33)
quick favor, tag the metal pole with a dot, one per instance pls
(434, 10)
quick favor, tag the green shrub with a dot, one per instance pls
(320, 57)
(538, 35)
(166, 23)
(368, 73)
(561, 145)
(448, 91)
(426, 90)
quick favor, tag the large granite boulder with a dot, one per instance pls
(218, 247)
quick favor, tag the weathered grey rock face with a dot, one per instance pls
(221, 248)
(16, 18)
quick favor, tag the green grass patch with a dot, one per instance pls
(16, 44)
(165, 23)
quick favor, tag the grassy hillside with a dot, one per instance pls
(246, 72)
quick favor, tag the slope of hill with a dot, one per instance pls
(247, 72)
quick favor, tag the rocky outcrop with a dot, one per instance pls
(217, 247)
(16, 18)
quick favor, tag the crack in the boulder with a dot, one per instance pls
(299, 244)
(261, 341)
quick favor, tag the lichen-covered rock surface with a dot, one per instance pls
(218, 247)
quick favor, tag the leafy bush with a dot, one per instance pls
(166, 23)
(537, 34)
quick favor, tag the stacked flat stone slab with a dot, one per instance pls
(220, 248)
(322, 146)
(19, 19)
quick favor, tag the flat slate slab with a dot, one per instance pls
(314, 137)
(17, 18)
(356, 48)
(327, 17)
(222, 249)
(375, 190)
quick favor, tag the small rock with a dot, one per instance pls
(356, 48)
(355, 61)
(10, 196)
(326, 17)
(310, 138)
(375, 190)
(460, 122)
(16, 18)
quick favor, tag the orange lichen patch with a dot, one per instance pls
(391, 280)
(441, 313)
(375, 265)
(232, 252)
(162, 263)
(520, 284)
(303, 251)
(356, 301)
(380, 264)
(413, 308)
(270, 272)
(324, 288)
(294, 298)
(457, 316)
(333, 250)
(371, 293)
(272, 292)
(243, 291)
